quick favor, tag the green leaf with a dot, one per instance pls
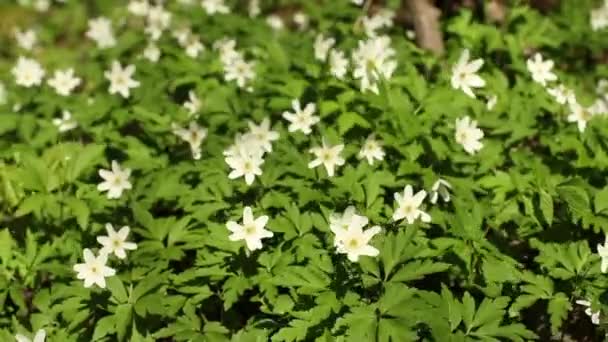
(546, 206)
(233, 288)
(600, 202)
(558, 308)
(88, 156)
(348, 120)
(79, 209)
(118, 290)
(417, 269)
(105, 326)
(123, 320)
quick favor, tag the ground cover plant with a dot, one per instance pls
(303, 170)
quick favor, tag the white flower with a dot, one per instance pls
(94, 269)
(350, 239)
(373, 62)
(193, 135)
(116, 242)
(152, 53)
(464, 74)
(328, 156)
(227, 50)
(252, 230)
(39, 337)
(595, 316)
(339, 223)
(383, 18)
(157, 21)
(358, 2)
(240, 71)
(262, 136)
(139, 8)
(581, 115)
(301, 19)
(599, 107)
(245, 163)
(121, 80)
(115, 181)
(322, 46)
(371, 149)
(215, 6)
(603, 253)
(562, 94)
(468, 135)
(2, 94)
(599, 17)
(441, 188)
(42, 5)
(193, 105)
(541, 69)
(27, 72)
(301, 119)
(253, 8)
(26, 39)
(275, 22)
(100, 31)
(410, 34)
(65, 123)
(491, 102)
(64, 81)
(181, 35)
(602, 88)
(244, 144)
(194, 46)
(408, 206)
(338, 64)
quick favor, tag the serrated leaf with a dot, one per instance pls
(546, 206)
(558, 308)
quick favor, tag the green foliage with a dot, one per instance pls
(505, 259)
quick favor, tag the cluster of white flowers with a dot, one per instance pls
(246, 156)
(542, 73)
(94, 270)
(373, 60)
(381, 19)
(599, 17)
(157, 21)
(190, 42)
(350, 238)
(236, 68)
(212, 7)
